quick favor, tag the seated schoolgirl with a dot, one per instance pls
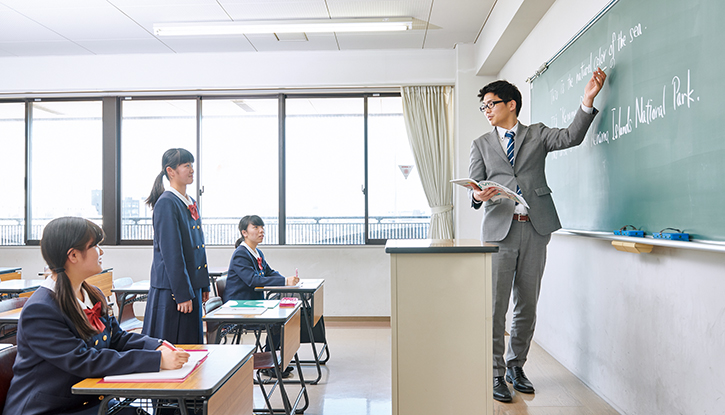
(66, 331)
(248, 269)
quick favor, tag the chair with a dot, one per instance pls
(9, 331)
(10, 276)
(127, 320)
(7, 359)
(221, 285)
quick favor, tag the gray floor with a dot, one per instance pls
(357, 379)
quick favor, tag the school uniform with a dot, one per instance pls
(179, 271)
(247, 270)
(52, 357)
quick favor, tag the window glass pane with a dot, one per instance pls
(397, 206)
(239, 139)
(65, 162)
(12, 169)
(325, 171)
(148, 129)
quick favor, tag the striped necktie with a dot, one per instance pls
(510, 152)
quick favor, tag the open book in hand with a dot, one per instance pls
(503, 191)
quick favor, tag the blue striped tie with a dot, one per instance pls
(510, 152)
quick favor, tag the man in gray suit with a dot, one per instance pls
(513, 155)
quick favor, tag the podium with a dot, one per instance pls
(441, 326)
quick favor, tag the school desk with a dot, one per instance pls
(220, 385)
(126, 296)
(311, 292)
(288, 319)
(14, 288)
(10, 273)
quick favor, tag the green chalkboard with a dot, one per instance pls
(655, 156)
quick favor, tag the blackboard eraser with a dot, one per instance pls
(636, 234)
(672, 236)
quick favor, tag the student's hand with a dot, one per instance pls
(593, 87)
(185, 307)
(204, 296)
(292, 281)
(172, 359)
(485, 195)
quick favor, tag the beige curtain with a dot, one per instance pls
(428, 113)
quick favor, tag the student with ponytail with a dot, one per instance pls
(179, 273)
(248, 268)
(66, 331)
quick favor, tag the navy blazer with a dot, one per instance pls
(179, 262)
(52, 358)
(244, 275)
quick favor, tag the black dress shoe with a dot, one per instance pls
(521, 383)
(501, 391)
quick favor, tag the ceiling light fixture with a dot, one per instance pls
(383, 24)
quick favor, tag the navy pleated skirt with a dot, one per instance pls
(163, 321)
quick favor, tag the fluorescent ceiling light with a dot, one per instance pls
(383, 24)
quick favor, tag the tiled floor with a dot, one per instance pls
(357, 379)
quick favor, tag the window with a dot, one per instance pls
(318, 168)
(397, 206)
(65, 162)
(148, 129)
(12, 169)
(325, 171)
(240, 169)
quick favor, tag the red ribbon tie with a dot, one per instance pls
(94, 317)
(194, 211)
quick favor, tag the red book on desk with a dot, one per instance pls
(288, 302)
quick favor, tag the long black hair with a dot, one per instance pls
(59, 237)
(173, 157)
(244, 224)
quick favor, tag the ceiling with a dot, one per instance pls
(100, 27)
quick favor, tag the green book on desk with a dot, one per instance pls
(252, 303)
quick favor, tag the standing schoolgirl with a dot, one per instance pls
(179, 273)
(248, 269)
(66, 332)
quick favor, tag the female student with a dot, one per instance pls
(66, 332)
(179, 274)
(248, 269)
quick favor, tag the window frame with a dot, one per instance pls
(112, 119)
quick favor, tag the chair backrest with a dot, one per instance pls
(221, 284)
(7, 359)
(104, 281)
(10, 276)
(210, 327)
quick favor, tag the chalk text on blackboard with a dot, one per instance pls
(681, 98)
(647, 112)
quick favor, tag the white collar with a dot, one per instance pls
(49, 283)
(187, 200)
(502, 131)
(252, 251)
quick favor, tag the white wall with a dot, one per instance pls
(646, 332)
(225, 71)
(357, 278)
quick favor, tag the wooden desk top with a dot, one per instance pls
(306, 286)
(19, 286)
(221, 364)
(10, 316)
(138, 287)
(277, 315)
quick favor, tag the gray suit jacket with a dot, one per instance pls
(531, 145)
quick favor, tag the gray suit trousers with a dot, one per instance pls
(518, 266)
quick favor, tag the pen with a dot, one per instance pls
(169, 345)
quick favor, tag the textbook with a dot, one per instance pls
(504, 192)
(196, 357)
(251, 303)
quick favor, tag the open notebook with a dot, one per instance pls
(196, 357)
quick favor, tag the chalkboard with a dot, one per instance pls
(654, 157)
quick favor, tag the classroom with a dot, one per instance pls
(644, 332)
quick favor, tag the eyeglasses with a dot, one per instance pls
(489, 105)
